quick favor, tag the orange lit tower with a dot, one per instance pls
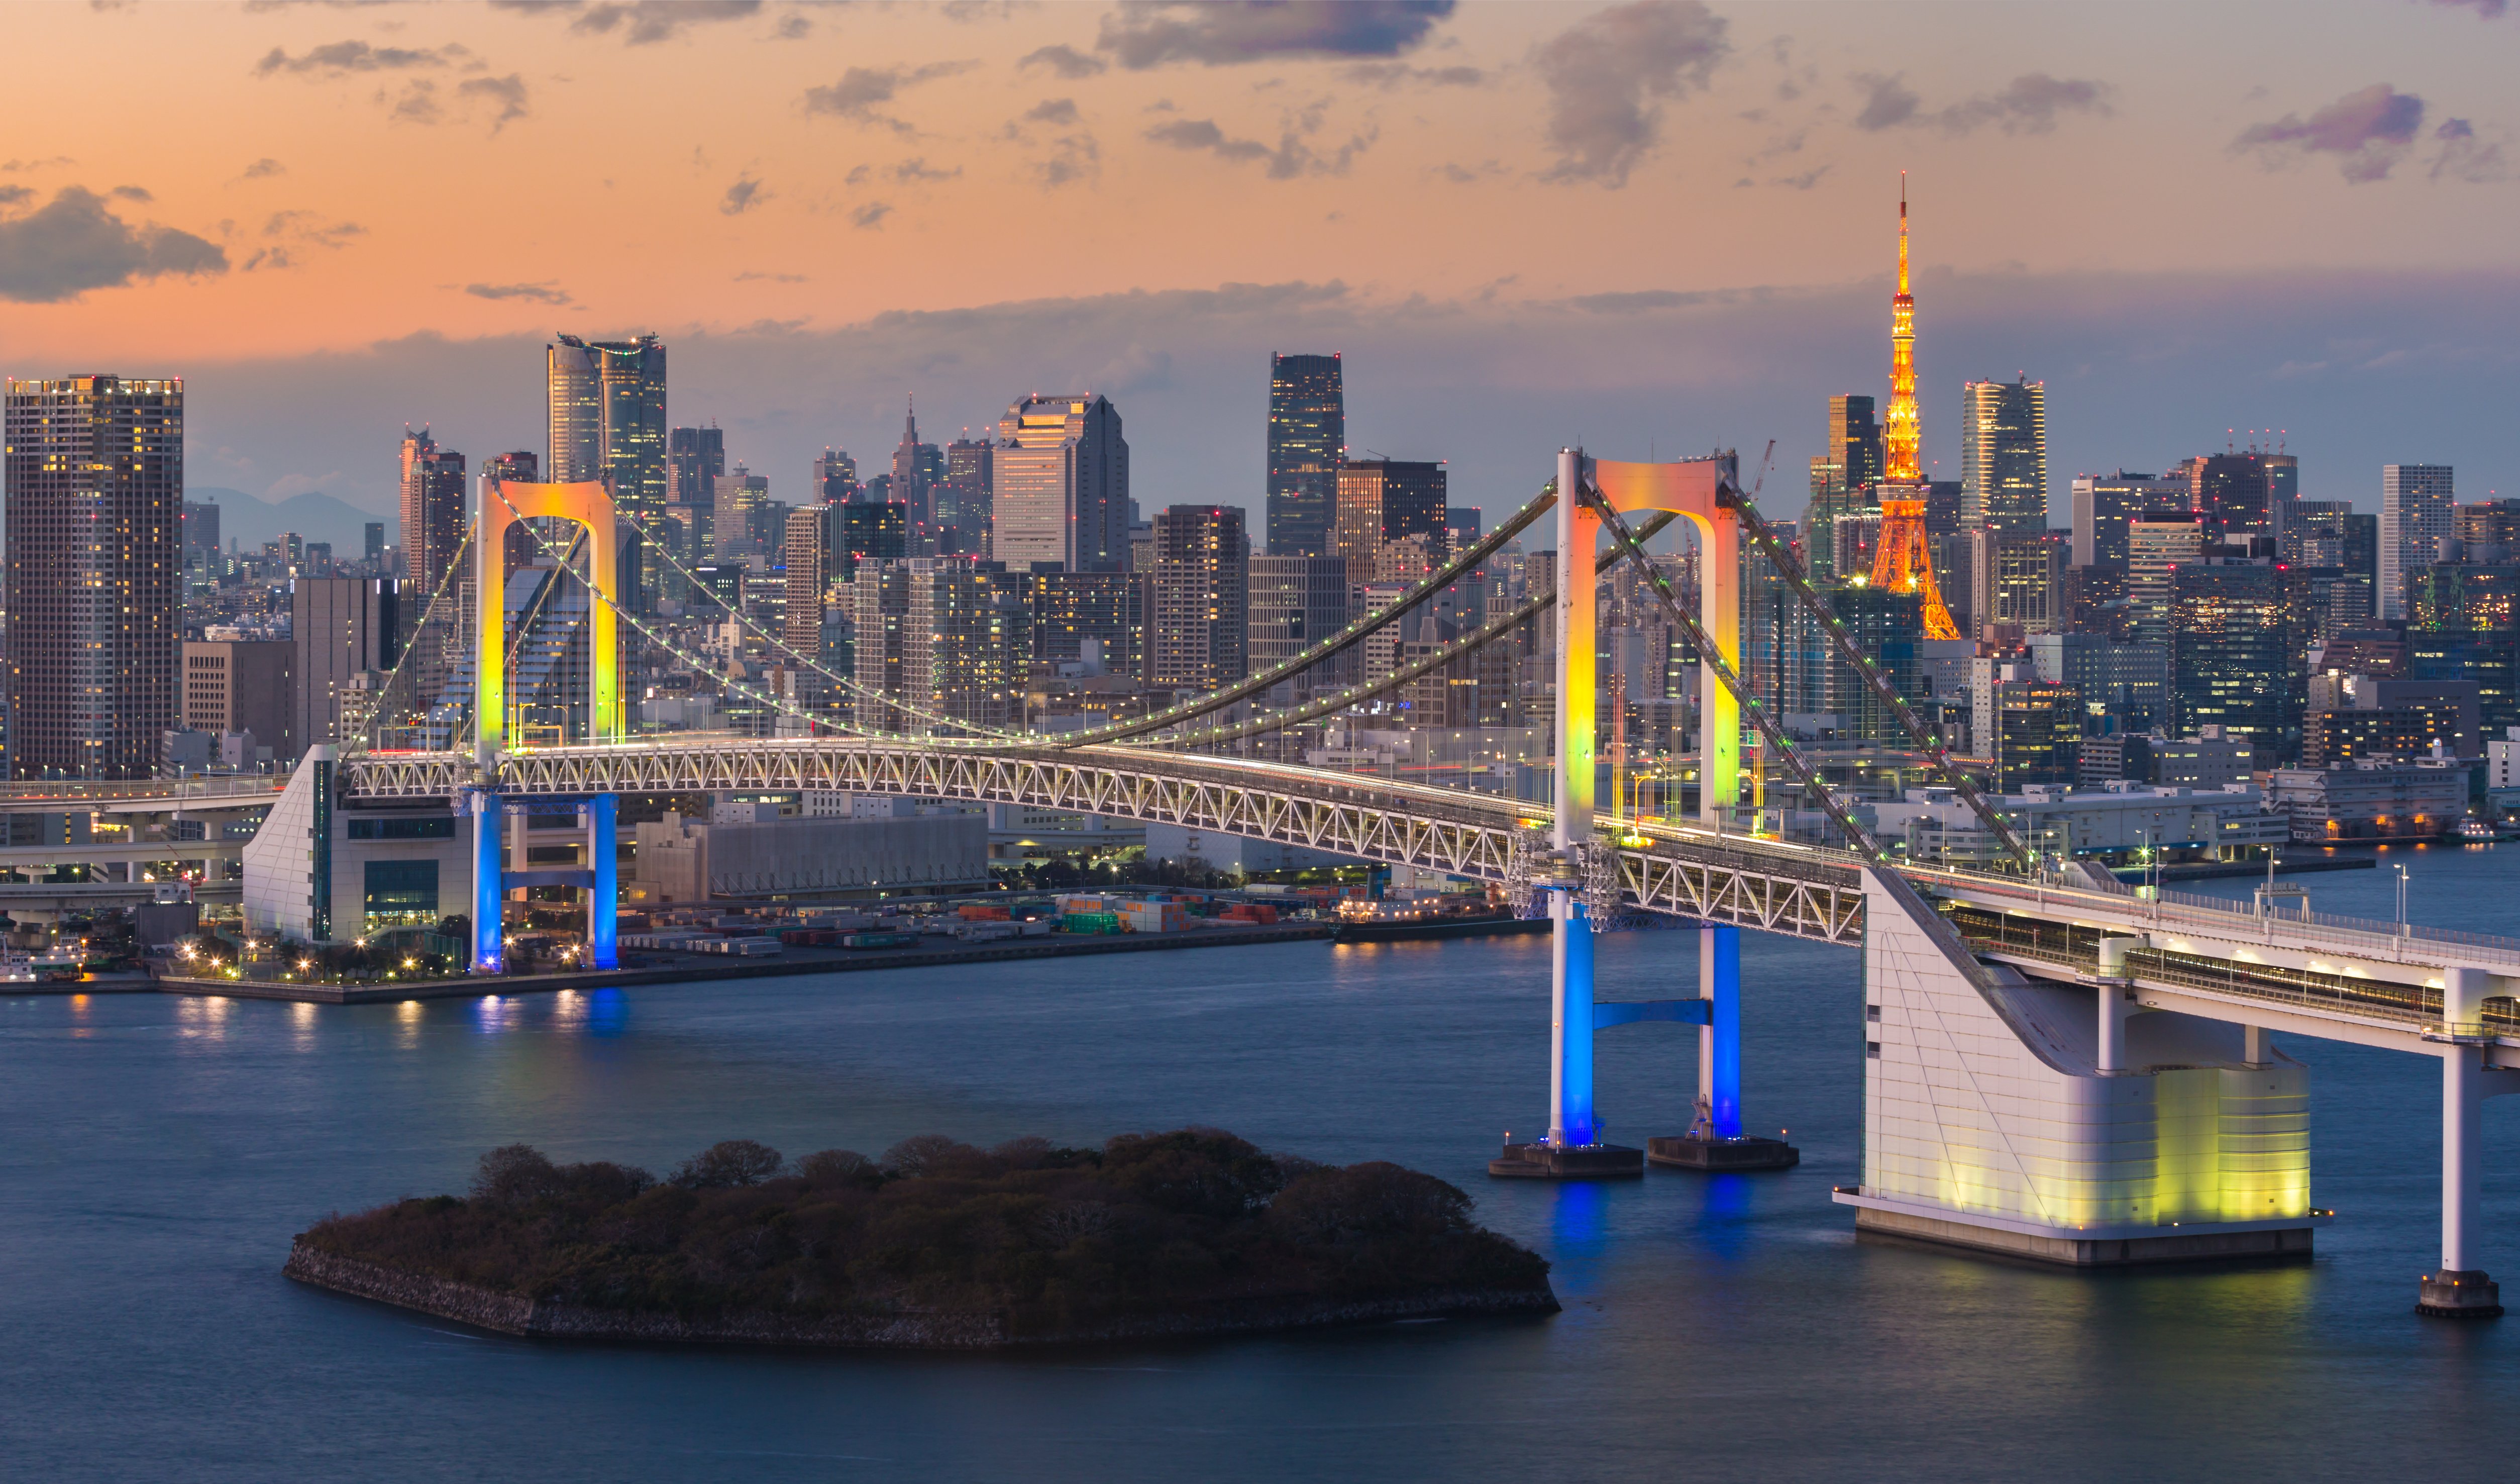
(1902, 561)
(1900, 432)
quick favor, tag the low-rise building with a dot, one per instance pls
(2114, 826)
(2371, 800)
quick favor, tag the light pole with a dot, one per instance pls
(2402, 907)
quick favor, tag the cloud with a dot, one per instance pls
(74, 243)
(1065, 61)
(1639, 301)
(1052, 111)
(915, 169)
(340, 57)
(2368, 132)
(543, 292)
(1145, 33)
(750, 276)
(1392, 74)
(2487, 9)
(1609, 76)
(871, 216)
(856, 95)
(11, 196)
(132, 192)
(264, 168)
(2029, 105)
(2465, 156)
(507, 92)
(1293, 155)
(742, 197)
(640, 23)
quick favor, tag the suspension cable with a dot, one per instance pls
(367, 740)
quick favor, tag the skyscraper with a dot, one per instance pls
(95, 469)
(1061, 486)
(342, 627)
(1384, 500)
(1202, 597)
(966, 642)
(916, 468)
(434, 515)
(835, 477)
(608, 417)
(808, 550)
(2236, 493)
(1296, 602)
(961, 499)
(694, 457)
(1841, 476)
(2415, 515)
(2158, 544)
(2106, 504)
(1307, 440)
(2003, 456)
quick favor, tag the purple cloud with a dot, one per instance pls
(2368, 132)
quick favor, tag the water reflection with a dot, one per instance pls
(495, 1013)
(407, 1017)
(301, 1025)
(607, 1012)
(1724, 1217)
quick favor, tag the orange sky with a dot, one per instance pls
(409, 167)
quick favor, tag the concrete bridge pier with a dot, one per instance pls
(489, 881)
(1715, 1140)
(2460, 1288)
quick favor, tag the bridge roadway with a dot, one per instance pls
(2339, 977)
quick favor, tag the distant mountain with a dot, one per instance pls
(251, 521)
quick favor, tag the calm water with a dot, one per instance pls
(158, 1154)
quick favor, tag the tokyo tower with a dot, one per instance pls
(1903, 562)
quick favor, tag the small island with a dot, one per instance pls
(937, 1244)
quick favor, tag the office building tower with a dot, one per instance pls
(873, 533)
(1060, 486)
(740, 509)
(243, 685)
(2125, 680)
(372, 545)
(1889, 628)
(916, 468)
(878, 636)
(966, 645)
(1082, 616)
(2332, 538)
(1386, 500)
(695, 458)
(1201, 598)
(2158, 543)
(2032, 728)
(2465, 626)
(608, 417)
(95, 476)
(2233, 493)
(835, 477)
(2238, 627)
(1295, 604)
(2003, 456)
(2104, 504)
(342, 629)
(200, 529)
(522, 466)
(807, 547)
(435, 508)
(961, 499)
(1843, 477)
(2487, 530)
(2284, 478)
(1307, 442)
(2016, 585)
(2415, 516)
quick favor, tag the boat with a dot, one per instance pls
(2477, 832)
(1410, 922)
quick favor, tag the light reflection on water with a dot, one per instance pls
(1726, 1323)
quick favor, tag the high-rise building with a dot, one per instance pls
(967, 647)
(434, 508)
(2465, 626)
(2158, 543)
(2487, 530)
(961, 497)
(1385, 500)
(872, 531)
(1842, 478)
(608, 417)
(1075, 614)
(878, 636)
(95, 474)
(372, 545)
(741, 504)
(835, 477)
(2105, 504)
(2236, 493)
(1295, 604)
(2003, 456)
(1888, 627)
(2332, 536)
(2016, 584)
(2415, 515)
(1307, 441)
(342, 628)
(807, 547)
(1060, 486)
(243, 685)
(916, 468)
(200, 529)
(1201, 598)
(695, 458)
(2239, 630)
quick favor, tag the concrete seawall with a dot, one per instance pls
(512, 1313)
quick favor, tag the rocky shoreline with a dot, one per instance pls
(514, 1313)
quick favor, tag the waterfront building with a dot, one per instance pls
(1201, 612)
(2353, 717)
(2416, 501)
(1060, 486)
(95, 503)
(1307, 441)
(2003, 457)
(2122, 824)
(2369, 802)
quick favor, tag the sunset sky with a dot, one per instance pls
(1655, 227)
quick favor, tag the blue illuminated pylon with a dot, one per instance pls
(489, 884)
(603, 898)
(1719, 1058)
(1571, 1121)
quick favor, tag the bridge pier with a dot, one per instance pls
(2460, 1288)
(1715, 1141)
(604, 896)
(489, 881)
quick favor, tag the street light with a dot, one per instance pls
(2402, 900)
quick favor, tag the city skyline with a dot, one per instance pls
(2354, 310)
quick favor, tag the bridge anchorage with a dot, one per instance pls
(2053, 1068)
